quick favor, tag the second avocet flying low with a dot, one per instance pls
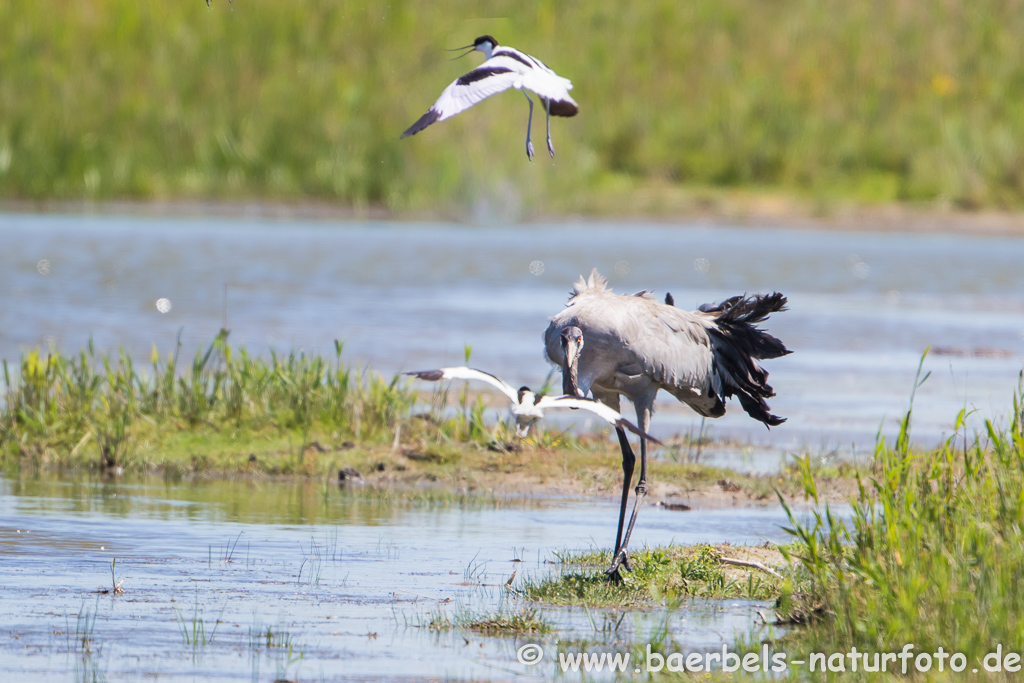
(503, 68)
(529, 407)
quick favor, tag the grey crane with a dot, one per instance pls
(609, 344)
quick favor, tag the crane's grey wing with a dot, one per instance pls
(634, 336)
(609, 415)
(669, 345)
(551, 343)
(712, 355)
(490, 78)
(672, 346)
(468, 374)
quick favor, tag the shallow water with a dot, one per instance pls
(863, 306)
(346, 579)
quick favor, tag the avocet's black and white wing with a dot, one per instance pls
(468, 374)
(606, 413)
(479, 84)
(552, 89)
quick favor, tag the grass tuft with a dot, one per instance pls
(193, 629)
(504, 621)
(659, 574)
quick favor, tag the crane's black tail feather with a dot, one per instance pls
(738, 344)
(737, 319)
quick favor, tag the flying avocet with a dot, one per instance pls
(503, 68)
(529, 407)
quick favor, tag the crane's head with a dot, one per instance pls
(571, 340)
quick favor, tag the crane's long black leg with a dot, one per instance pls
(628, 461)
(641, 491)
(551, 147)
(529, 125)
(643, 418)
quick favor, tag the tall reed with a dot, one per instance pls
(933, 553)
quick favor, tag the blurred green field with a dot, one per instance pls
(916, 101)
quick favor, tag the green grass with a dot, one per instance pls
(914, 101)
(276, 643)
(659, 574)
(933, 554)
(193, 628)
(83, 640)
(267, 638)
(99, 409)
(506, 620)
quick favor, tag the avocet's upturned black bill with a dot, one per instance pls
(503, 68)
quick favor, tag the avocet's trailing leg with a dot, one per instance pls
(529, 126)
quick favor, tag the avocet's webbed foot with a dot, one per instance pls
(551, 148)
(529, 150)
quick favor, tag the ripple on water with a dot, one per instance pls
(346, 594)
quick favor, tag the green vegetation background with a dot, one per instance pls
(871, 101)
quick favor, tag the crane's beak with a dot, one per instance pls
(570, 373)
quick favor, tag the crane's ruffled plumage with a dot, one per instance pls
(613, 345)
(701, 357)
